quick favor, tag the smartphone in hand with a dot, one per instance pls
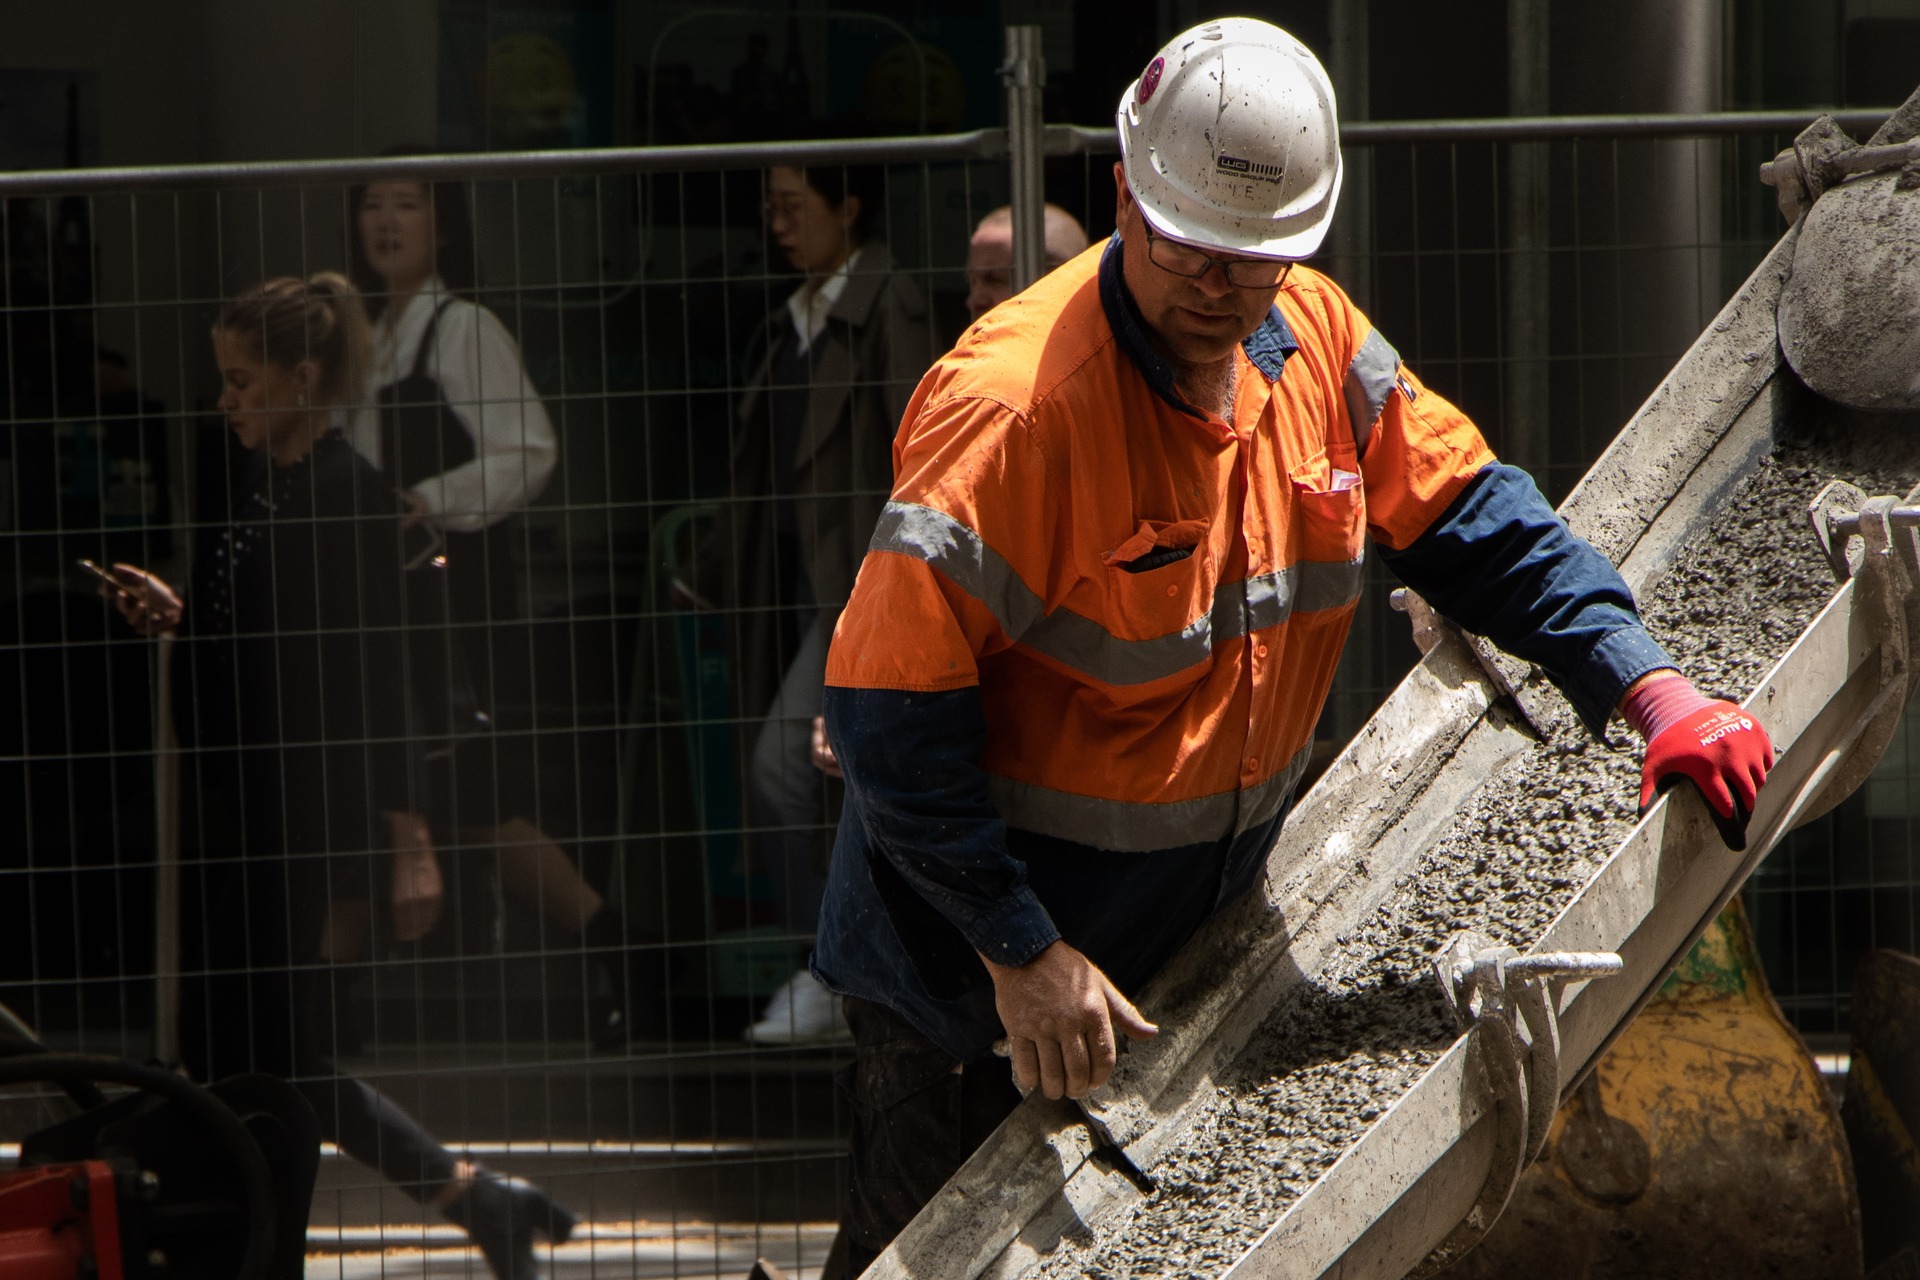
(420, 544)
(107, 576)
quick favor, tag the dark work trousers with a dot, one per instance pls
(491, 779)
(421, 437)
(917, 1116)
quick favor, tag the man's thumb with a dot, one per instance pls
(1126, 1018)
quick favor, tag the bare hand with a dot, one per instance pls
(1063, 1018)
(823, 758)
(417, 508)
(417, 886)
(149, 605)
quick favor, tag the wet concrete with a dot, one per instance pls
(1330, 1061)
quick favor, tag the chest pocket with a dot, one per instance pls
(1330, 508)
(1160, 579)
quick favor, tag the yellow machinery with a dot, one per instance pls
(1703, 1144)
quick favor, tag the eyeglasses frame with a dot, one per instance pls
(1226, 265)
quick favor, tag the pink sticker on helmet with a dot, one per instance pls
(1150, 79)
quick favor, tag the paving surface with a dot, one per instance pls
(766, 1181)
(642, 1250)
(654, 1201)
(1331, 1061)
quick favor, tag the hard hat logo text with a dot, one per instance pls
(1249, 168)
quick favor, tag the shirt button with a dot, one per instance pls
(1253, 763)
(1173, 589)
(1262, 651)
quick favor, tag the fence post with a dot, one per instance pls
(1025, 73)
(1525, 434)
(166, 872)
(1352, 234)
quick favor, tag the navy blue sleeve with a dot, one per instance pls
(1499, 562)
(916, 784)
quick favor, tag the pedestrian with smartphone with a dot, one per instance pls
(301, 805)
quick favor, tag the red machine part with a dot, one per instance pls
(60, 1222)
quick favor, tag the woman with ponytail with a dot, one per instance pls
(300, 799)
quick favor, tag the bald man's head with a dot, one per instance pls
(990, 254)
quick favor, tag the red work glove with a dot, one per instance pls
(1713, 744)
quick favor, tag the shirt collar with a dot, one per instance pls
(1266, 347)
(810, 303)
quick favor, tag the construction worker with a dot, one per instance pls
(1076, 683)
(990, 253)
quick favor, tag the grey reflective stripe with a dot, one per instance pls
(1260, 802)
(1089, 648)
(1080, 643)
(964, 557)
(1369, 379)
(1129, 827)
(1328, 585)
(1307, 587)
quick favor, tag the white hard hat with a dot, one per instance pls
(1230, 141)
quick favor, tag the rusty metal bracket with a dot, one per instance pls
(1508, 1003)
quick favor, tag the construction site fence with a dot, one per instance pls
(1543, 273)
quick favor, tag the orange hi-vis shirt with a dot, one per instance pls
(1151, 600)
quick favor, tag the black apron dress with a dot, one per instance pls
(420, 438)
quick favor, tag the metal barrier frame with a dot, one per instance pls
(976, 144)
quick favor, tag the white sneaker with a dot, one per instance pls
(801, 1012)
(779, 1010)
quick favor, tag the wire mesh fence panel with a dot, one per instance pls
(540, 577)
(586, 413)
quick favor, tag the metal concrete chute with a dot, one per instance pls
(1433, 1174)
(1432, 1171)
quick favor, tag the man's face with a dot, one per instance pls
(989, 268)
(1193, 321)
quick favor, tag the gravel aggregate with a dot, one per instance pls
(1331, 1060)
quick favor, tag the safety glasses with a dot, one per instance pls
(1185, 260)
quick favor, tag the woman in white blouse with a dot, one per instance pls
(451, 414)
(455, 422)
